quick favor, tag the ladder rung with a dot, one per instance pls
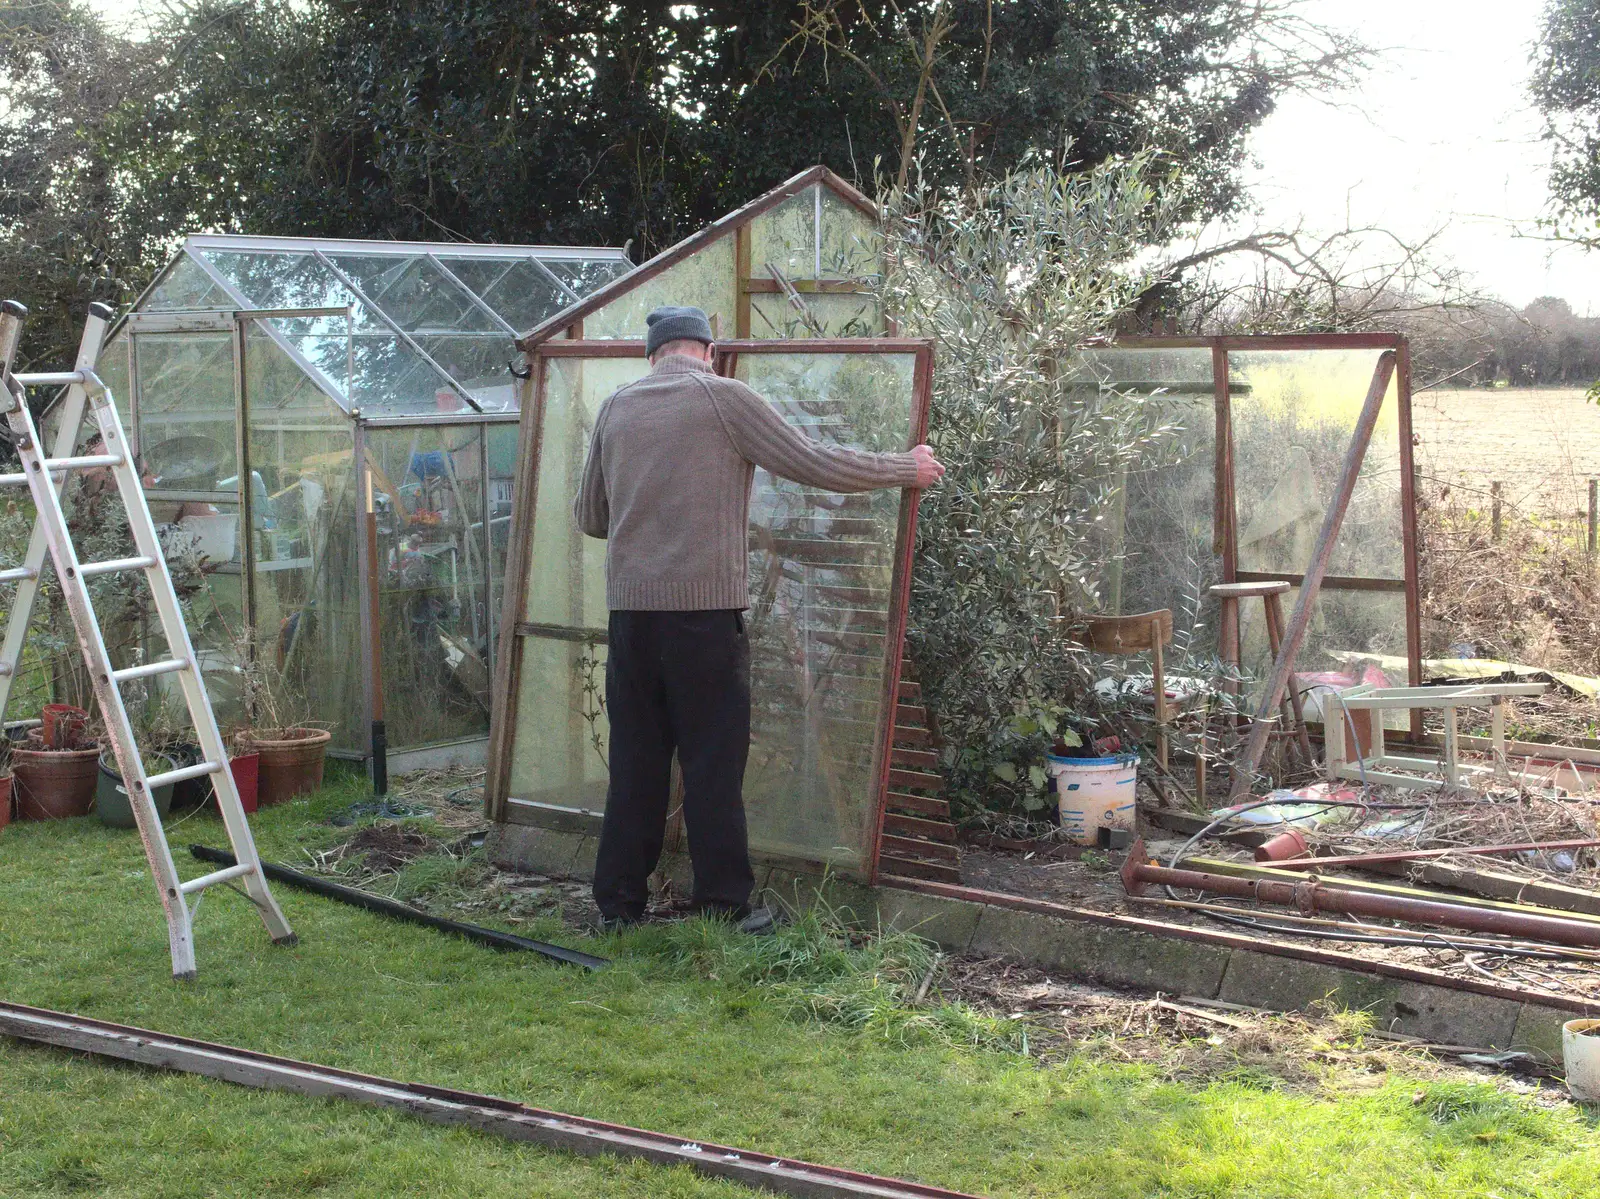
(226, 874)
(111, 565)
(50, 378)
(12, 480)
(84, 462)
(17, 574)
(156, 781)
(150, 668)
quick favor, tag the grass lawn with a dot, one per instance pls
(677, 1036)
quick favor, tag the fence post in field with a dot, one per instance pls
(1494, 511)
(1594, 514)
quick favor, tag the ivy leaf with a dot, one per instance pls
(1006, 771)
(1071, 739)
(1038, 777)
(1032, 802)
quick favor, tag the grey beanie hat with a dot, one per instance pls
(669, 324)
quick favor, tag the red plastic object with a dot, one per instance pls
(246, 770)
(63, 726)
(1291, 844)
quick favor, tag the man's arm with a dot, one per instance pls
(763, 437)
(590, 506)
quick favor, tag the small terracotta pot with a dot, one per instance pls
(291, 763)
(55, 784)
(5, 800)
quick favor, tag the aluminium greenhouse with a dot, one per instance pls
(334, 423)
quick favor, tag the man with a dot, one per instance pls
(667, 484)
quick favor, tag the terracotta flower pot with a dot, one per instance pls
(5, 800)
(291, 763)
(55, 784)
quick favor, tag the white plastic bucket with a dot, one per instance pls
(217, 537)
(1580, 1054)
(1094, 793)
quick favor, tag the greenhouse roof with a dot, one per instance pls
(423, 327)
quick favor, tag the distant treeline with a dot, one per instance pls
(1545, 343)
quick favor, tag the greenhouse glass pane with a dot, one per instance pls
(1159, 547)
(514, 288)
(555, 756)
(704, 279)
(851, 245)
(1293, 418)
(433, 582)
(775, 316)
(187, 410)
(307, 562)
(821, 568)
(414, 293)
(500, 448)
(480, 364)
(283, 279)
(786, 237)
(185, 285)
(587, 274)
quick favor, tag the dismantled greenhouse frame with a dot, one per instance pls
(332, 424)
(1283, 408)
(791, 275)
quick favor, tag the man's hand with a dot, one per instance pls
(929, 469)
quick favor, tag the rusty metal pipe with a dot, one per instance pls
(1419, 855)
(1310, 897)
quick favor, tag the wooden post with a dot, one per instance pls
(1244, 770)
(1158, 679)
(1494, 512)
(1594, 514)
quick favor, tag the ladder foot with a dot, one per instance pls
(185, 976)
(288, 940)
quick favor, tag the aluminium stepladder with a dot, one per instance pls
(42, 476)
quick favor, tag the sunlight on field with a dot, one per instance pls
(1541, 444)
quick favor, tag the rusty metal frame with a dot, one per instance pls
(1225, 498)
(508, 665)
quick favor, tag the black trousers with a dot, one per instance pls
(676, 681)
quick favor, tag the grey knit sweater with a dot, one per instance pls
(668, 484)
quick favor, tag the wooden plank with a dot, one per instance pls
(909, 735)
(938, 872)
(913, 826)
(909, 690)
(905, 847)
(914, 759)
(912, 714)
(922, 805)
(915, 780)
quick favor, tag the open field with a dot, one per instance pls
(692, 1031)
(1542, 444)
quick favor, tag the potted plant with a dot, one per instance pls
(5, 783)
(111, 801)
(291, 751)
(55, 771)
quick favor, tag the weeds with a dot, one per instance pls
(820, 967)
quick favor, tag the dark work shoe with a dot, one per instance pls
(759, 923)
(619, 924)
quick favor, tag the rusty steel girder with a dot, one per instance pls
(1310, 897)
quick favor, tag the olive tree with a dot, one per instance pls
(1009, 279)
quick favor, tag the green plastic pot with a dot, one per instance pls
(111, 799)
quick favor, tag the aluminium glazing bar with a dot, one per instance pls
(472, 295)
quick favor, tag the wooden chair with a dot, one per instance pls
(1147, 632)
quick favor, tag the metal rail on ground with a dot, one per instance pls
(516, 1121)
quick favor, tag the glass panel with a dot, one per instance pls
(480, 363)
(786, 237)
(821, 567)
(433, 582)
(1293, 416)
(186, 411)
(1159, 550)
(500, 450)
(185, 285)
(704, 279)
(308, 569)
(775, 316)
(851, 244)
(513, 287)
(283, 279)
(414, 293)
(588, 274)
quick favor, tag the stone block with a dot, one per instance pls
(1447, 1016)
(1059, 946)
(1285, 984)
(1171, 965)
(949, 923)
(1538, 1031)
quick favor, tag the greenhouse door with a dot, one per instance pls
(218, 405)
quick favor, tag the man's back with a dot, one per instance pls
(668, 484)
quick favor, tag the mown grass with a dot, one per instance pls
(803, 1045)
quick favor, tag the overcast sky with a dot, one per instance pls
(1440, 133)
